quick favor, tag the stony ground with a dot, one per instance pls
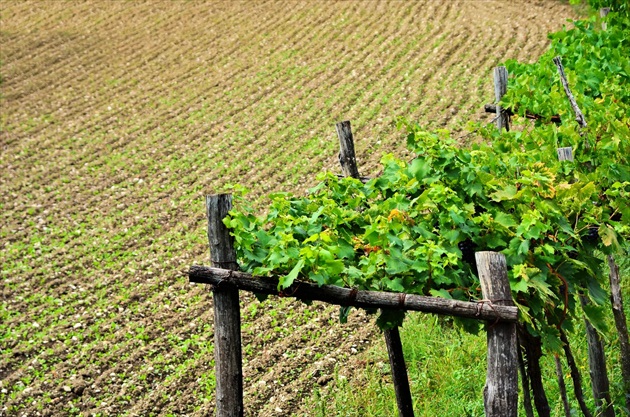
(117, 117)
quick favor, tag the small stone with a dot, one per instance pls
(324, 379)
(78, 386)
(66, 388)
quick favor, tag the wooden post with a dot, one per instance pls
(349, 168)
(621, 324)
(501, 390)
(227, 313)
(347, 157)
(527, 399)
(562, 387)
(596, 357)
(399, 372)
(500, 88)
(533, 353)
(579, 117)
(565, 154)
(575, 374)
(597, 367)
(603, 12)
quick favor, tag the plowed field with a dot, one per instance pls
(117, 117)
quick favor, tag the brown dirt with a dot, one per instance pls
(117, 117)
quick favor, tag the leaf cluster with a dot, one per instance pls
(413, 228)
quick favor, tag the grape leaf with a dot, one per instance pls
(287, 280)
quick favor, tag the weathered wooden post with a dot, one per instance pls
(562, 386)
(579, 117)
(564, 154)
(603, 12)
(227, 312)
(597, 367)
(617, 300)
(596, 355)
(500, 88)
(501, 390)
(575, 374)
(621, 324)
(527, 398)
(347, 157)
(399, 372)
(349, 168)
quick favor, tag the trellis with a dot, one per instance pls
(501, 388)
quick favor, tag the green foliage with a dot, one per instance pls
(617, 6)
(413, 228)
(446, 370)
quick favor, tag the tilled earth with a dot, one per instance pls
(117, 117)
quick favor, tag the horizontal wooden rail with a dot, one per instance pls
(481, 310)
(492, 108)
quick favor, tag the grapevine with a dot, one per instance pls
(415, 227)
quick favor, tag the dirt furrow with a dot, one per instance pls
(299, 113)
(116, 92)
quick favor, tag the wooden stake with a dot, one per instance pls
(348, 162)
(227, 313)
(622, 325)
(399, 372)
(576, 377)
(527, 398)
(347, 157)
(565, 154)
(562, 387)
(579, 117)
(603, 12)
(500, 88)
(501, 390)
(533, 353)
(597, 368)
(596, 357)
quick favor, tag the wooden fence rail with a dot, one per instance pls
(331, 294)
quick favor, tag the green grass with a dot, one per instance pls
(447, 370)
(446, 373)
